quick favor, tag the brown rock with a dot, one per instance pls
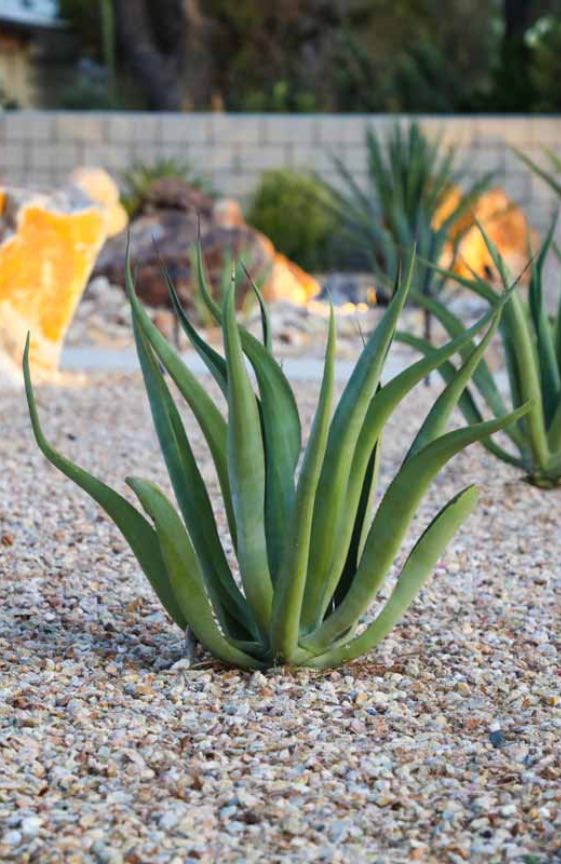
(167, 229)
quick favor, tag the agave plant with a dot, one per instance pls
(311, 556)
(412, 197)
(531, 347)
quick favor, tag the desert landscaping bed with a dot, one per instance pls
(443, 745)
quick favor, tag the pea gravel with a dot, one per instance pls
(442, 746)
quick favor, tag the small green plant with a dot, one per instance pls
(306, 236)
(410, 179)
(531, 347)
(311, 556)
(137, 181)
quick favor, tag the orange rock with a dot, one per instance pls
(46, 256)
(504, 222)
(289, 282)
(100, 188)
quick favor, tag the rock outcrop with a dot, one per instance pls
(48, 247)
(102, 190)
(167, 228)
(504, 222)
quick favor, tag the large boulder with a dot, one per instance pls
(172, 218)
(102, 190)
(504, 222)
(48, 247)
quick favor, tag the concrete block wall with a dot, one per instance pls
(232, 150)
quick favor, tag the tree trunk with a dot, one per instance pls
(157, 71)
(517, 17)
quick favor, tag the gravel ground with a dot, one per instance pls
(442, 746)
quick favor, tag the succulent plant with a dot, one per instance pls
(412, 196)
(311, 555)
(531, 348)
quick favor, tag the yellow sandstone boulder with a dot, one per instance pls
(48, 247)
(100, 188)
(504, 222)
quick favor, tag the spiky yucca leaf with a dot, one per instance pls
(531, 348)
(410, 181)
(311, 553)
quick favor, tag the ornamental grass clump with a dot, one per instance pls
(311, 556)
(531, 348)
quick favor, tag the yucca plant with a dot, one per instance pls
(312, 557)
(411, 197)
(549, 173)
(531, 349)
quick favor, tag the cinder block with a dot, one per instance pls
(220, 158)
(545, 131)
(290, 129)
(185, 128)
(39, 125)
(178, 151)
(118, 128)
(117, 159)
(270, 156)
(146, 127)
(79, 126)
(16, 125)
(332, 129)
(319, 158)
(235, 185)
(517, 186)
(14, 157)
(41, 157)
(66, 156)
(236, 128)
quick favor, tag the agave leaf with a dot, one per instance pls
(482, 376)
(214, 362)
(263, 310)
(191, 494)
(186, 576)
(438, 416)
(545, 345)
(282, 438)
(246, 469)
(391, 522)
(209, 418)
(289, 589)
(361, 524)
(417, 569)
(136, 530)
(466, 403)
(379, 409)
(343, 435)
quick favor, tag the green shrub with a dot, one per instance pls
(531, 345)
(311, 556)
(296, 212)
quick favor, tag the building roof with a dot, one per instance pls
(30, 13)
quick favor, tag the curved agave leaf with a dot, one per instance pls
(290, 586)
(192, 496)
(417, 569)
(185, 575)
(391, 522)
(246, 469)
(343, 435)
(138, 533)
